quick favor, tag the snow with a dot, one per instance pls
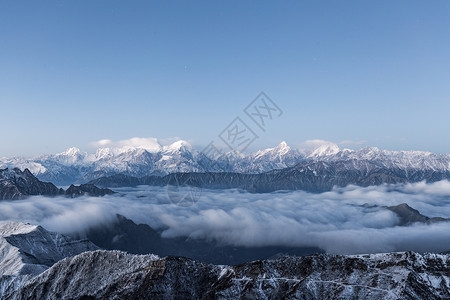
(43, 247)
(325, 150)
(137, 158)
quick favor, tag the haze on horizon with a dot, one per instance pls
(354, 73)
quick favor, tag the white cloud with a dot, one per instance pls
(336, 221)
(150, 144)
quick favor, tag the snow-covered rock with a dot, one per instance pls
(28, 250)
(75, 166)
(117, 275)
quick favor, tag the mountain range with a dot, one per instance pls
(315, 169)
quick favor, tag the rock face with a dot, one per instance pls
(15, 184)
(117, 275)
(87, 189)
(409, 215)
(30, 249)
(27, 250)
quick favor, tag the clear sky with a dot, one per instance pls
(373, 72)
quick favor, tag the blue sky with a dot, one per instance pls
(74, 72)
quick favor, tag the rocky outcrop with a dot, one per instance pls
(15, 184)
(87, 189)
(409, 215)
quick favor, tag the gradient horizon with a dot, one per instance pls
(368, 74)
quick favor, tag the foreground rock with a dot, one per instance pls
(28, 250)
(117, 275)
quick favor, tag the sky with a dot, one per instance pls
(357, 73)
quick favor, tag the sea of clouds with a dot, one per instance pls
(346, 220)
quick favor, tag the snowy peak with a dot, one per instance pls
(282, 148)
(142, 157)
(179, 146)
(328, 149)
(73, 151)
(71, 156)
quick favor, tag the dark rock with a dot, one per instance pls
(15, 184)
(87, 189)
(409, 215)
(312, 176)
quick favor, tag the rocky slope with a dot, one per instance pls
(117, 275)
(15, 184)
(27, 250)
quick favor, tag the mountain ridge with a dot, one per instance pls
(117, 275)
(75, 166)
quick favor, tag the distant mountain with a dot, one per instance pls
(409, 215)
(316, 169)
(87, 189)
(118, 275)
(16, 184)
(308, 175)
(75, 166)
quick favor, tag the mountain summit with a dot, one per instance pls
(151, 159)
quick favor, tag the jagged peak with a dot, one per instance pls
(281, 149)
(72, 151)
(326, 149)
(180, 145)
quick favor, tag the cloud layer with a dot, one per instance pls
(347, 220)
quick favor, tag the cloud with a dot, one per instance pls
(150, 144)
(346, 220)
(311, 145)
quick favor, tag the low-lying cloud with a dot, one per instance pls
(345, 220)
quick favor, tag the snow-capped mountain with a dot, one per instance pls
(15, 184)
(74, 166)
